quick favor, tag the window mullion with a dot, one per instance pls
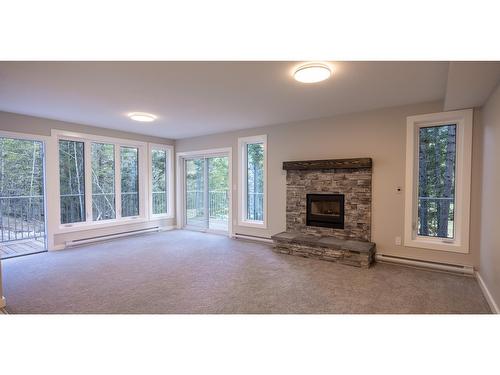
(118, 186)
(88, 180)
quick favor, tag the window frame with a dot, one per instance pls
(463, 119)
(170, 214)
(242, 182)
(88, 139)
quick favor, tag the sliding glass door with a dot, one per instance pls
(22, 197)
(207, 193)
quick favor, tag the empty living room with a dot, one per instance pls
(204, 211)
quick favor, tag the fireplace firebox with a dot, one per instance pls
(325, 210)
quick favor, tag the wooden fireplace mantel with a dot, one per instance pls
(328, 164)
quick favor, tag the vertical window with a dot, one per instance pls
(436, 180)
(255, 181)
(103, 181)
(160, 167)
(438, 174)
(252, 193)
(72, 181)
(129, 168)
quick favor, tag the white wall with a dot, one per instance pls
(12, 122)
(490, 197)
(379, 134)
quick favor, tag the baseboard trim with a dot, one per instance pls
(252, 238)
(435, 266)
(110, 237)
(489, 298)
(3, 303)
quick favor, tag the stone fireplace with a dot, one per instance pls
(328, 211)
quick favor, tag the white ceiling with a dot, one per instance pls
(198, 98)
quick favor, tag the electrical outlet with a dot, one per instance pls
(398, 241)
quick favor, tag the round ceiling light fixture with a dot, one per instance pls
(312, 73)
(142, 116)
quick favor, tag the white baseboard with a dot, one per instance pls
(64, 246)
(446, 267)
(487, 294)
(2, 302)
(252, 238)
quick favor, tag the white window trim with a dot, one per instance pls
(242, 186)
(181, 186)
(463, 120)
(170, 176)
(88, 139)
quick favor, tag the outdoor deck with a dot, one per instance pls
(21, 247)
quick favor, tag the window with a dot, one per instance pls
(252, 188)
(129, 165)
(161, 200)
(72, 181)
(438, 181)
(100, 180)
(103, 181)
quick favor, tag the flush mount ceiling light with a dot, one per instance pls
(141, 116)
(312, 73)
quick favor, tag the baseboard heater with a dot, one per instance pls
(82, 241)
(252, 238)
(465, 270)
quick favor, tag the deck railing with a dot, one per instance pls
(255, 206)
(21, 217)
(218, 203)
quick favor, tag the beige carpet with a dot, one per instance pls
(189, 272)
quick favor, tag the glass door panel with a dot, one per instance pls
(218, 193)
(196, 212)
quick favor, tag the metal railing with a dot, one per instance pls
(434, 208)
(22, 217)
(160, 202)
(72, 205)
(255, 206)
(218, 203)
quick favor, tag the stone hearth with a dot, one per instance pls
(348, 177)
(353, 253)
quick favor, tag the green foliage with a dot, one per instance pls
(21, 167)
(255, 181)
(436, 187)
(72, 181)
(103, 181)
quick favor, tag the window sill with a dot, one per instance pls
(252, 224)
(437, 244)
(161, 216)
(80, 227)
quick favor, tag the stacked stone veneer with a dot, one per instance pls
(355, 184)
(350, 245)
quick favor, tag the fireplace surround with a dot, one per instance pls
(328, 211)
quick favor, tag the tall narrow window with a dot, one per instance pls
(438, 174)
(129, 167)
(255, 181)
(252, 193)
(72, 181)
(159, 183)
(103, 181)
(436, 180)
